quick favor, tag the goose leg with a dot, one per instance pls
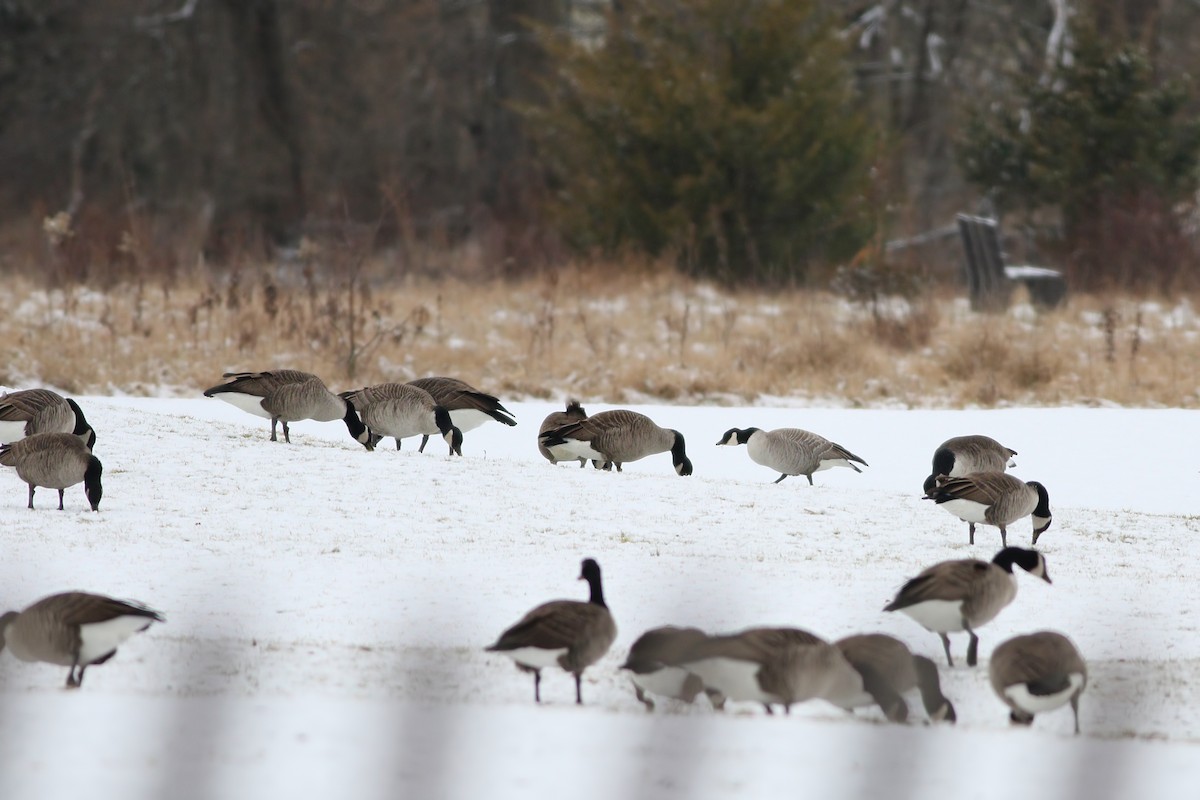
(537, 686)
(972, 649)
(646, 701)
(1003, 537)
(1075, 709)
(60, 499)
(578, 688)
(810, 483)
(781, 477)
(397, 443)
(424, 441)
(770, 711)
(274, 422)
(971, 529)
(946, 646)
(287, 436)
(31, 495)
(72, 681)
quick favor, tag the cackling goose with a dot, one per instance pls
(965, 594)
(962, 455)
(56, 461)
(1038, 672)
(655, 664)
(469, 408)
(892, 661)
(401, 410)
(782, 666)
(616, 437)
(565, 633)
(73, 629)
(993, 498)
(556, 419)
(288, 395)
(31, 411)
(791, 451)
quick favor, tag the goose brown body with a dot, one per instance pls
(556, 419)
(657, 665)
(55, 461)
(73, 629)
(892, 661)
(618, 437)
(962, 455)
(792, 451)
(29, 411)
(401, 410)
(570, 634)
(1038, 672)
(993, 498)
(288, 395)
(468, 407)
(964, 594)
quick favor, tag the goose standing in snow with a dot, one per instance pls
(656, 666)
(1038, 672)
(570, 634)
(401, 410)
(55, 461)
(791, 451)
(73, 629)
(556, 419)
(288, 395)
(29, 411)
(783, 666)
(993, 498)
(892, 661)
(469, 408)
(617, 437)
(962, 455)
(965, 594)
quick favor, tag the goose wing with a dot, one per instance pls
(948, 580)
(552, 626)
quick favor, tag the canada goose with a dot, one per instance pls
(288, 395)
(655, 664)
(566, 633)
(782, 666)
(31, 411)
(893, 662)
(962, 455)
(616, 437)
(469, 408)
(791, 451)
(965, 594)
(56, 461)
(73, 629)
(993, 498)
(556, 419)
(401, 410)
(1038, 672)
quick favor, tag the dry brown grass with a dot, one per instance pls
(599, 333)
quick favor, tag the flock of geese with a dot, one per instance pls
(49, 442)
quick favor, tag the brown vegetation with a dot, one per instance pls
(605, 332)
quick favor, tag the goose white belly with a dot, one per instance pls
(734, 678)
(246, 402)
(1020, 695)
(468, 419)
(967, 510)
(100, 638)
(12, 431)
(940, 616)
(560, 453)
(535, 657)
(830, 463)
(666, 682)
(575, 448)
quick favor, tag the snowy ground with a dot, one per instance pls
(328, 608)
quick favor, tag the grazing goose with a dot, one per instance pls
(893, 662)
(565, 633)
(73, 629)
(31, 411)
(288, 395)
(56, 461)
(791, 451)
(469, 408)
(655, 664)
(782, 666)
(556, 419)
(993, 498)
(962, 455)
(616, 437)
(401, 410)
(965, 594)
(1038, 672)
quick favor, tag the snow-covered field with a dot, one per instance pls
(327, 610)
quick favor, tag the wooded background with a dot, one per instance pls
(171, 130)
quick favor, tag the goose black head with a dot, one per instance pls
(683, 465)
(1031, 561)
(590, 571)
(1041, 515)
(91, 482)
(736, 436)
